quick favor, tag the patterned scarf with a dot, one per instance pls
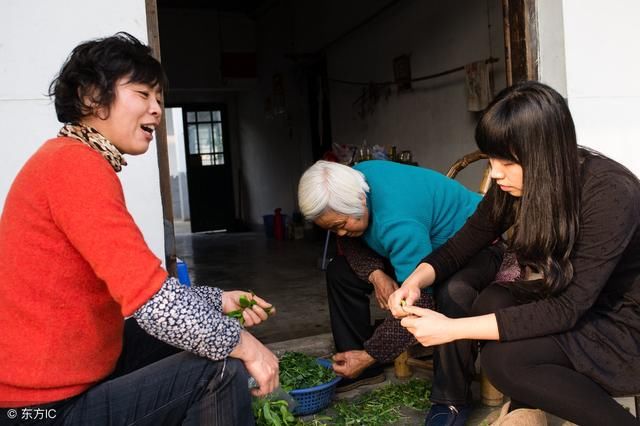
(95, 140)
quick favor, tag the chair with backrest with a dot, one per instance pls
(403, 363)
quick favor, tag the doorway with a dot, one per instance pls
(201, 171)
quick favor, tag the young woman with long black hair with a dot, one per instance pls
(561, 321)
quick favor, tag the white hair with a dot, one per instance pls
(331, 186)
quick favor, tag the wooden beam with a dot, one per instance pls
(521, 40)
(163, 152)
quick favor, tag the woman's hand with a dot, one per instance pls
(352, 363)
(260, 362)
(405, 296)
(252, 316)
(429, 327)
(433, 328)
(423, 276)
(384, 286)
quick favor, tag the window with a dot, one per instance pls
(205, 136)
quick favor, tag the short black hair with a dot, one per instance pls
(94, 67)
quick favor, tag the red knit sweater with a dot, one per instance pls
(73, 264)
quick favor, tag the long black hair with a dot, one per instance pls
(530, 124)
(93, 69)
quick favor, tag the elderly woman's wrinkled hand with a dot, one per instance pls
(429, 327)
(384, 287)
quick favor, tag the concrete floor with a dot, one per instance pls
(284, 273)
(287, 274)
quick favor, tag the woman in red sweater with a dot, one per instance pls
(79, 266)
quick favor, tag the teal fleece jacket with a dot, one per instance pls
(412, 211)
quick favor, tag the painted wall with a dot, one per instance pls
(35, 39)
(432, 120)
(603, 65)
(274, 144)
(551, 49)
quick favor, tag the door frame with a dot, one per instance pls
(162, 148)
(226, 141)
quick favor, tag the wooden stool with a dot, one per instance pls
(491, 396)
(417, 356)
(404, 364)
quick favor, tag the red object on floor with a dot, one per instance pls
(278, 225)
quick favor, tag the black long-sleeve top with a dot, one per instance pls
(596, 319)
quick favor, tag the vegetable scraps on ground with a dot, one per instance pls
(379, 407)
(245, 303)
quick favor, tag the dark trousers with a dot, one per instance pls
(537, 373)
(348, 306)
(156, 384)
(454, 362)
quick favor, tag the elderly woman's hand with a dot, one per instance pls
(384, 287)
(253, 315)
(352, 363)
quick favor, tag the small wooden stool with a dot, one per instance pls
(491, 396)
(416, 356)
(405, 362)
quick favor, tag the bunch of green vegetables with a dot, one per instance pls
(269, 412)
(299, 371)
(379, 407)
(245, 303)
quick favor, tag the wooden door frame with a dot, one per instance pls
(520, 40)
(153, 35)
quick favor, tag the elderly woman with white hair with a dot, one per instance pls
(401, 213)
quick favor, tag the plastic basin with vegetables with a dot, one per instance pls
(316, 398)
(309, 380)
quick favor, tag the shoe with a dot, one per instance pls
(447, 415)
(519, 417)
(368, 377)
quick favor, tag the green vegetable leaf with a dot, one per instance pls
(299, 371)
(246, 303)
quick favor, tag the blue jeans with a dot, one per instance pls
(182, 389)
(178, 389)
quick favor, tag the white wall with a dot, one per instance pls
(36, 36)
(551, 49)
(432, 120)
(603, 75)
